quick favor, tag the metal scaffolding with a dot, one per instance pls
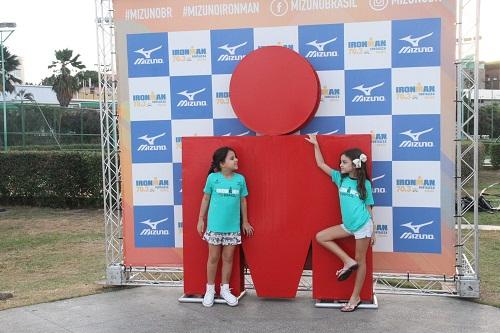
(467, 247)
(106, 56)
(465, 283)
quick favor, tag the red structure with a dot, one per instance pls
(274, 91)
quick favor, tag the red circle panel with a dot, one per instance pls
(274, 90)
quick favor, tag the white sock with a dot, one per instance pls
(225, 286)
(210, 287)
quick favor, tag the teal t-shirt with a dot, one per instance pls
(225, 197)
(353, 209)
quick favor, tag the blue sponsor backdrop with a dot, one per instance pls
(324, 126)
(416, 138)
(228, 48)
(368, 92)
(154, 226)
(414, 43)
(417, 230)
(230, 127)
(177, 183)
(191, 97)
(147, 55)
(382, 183)
(151, 141)
(322, 45)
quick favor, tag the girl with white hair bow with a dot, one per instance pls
(356, 201)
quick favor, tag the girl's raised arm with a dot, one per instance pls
(317, 154)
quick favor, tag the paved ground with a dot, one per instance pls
(150, 309)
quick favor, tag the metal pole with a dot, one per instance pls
(460, 112)
(491, 136)
(23, 120)
(476, 140)
(9, 32)
(3, 95)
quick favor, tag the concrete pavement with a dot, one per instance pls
(156, 309)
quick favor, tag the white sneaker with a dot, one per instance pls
(208, 299)
(225, 293)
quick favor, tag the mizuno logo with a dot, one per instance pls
(153, 225)
(416, 228)
(415, 136)
(328, 133)
(241, 134)
(377, 178)
(320, 46)
(190, 96)
(151, 140)
(368, 90)
(231, 49)
(380, 190)
(147, 53)
(414, 41)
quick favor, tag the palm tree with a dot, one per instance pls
(65, 84)
(11, 64)
(23, 95)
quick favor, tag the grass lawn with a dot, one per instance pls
(489, 270)
(50, 254)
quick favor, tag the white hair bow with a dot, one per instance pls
(357, 161)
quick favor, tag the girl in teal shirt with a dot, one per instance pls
(225, 198)
(356, 201)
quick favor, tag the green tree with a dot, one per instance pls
(65, 83)
(49, 80)
(11, 64)
(84, 76)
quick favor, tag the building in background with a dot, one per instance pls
(86, 98)
(492, 75)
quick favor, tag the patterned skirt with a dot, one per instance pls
(222, 238)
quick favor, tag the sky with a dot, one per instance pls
(49, 25)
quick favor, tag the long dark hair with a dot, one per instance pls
(361, 173)
(219, 157)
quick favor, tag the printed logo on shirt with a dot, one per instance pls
(348, 191)
(228, 192)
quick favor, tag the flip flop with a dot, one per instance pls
(347, 272)
(349, 307)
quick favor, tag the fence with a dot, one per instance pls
(30, 124)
